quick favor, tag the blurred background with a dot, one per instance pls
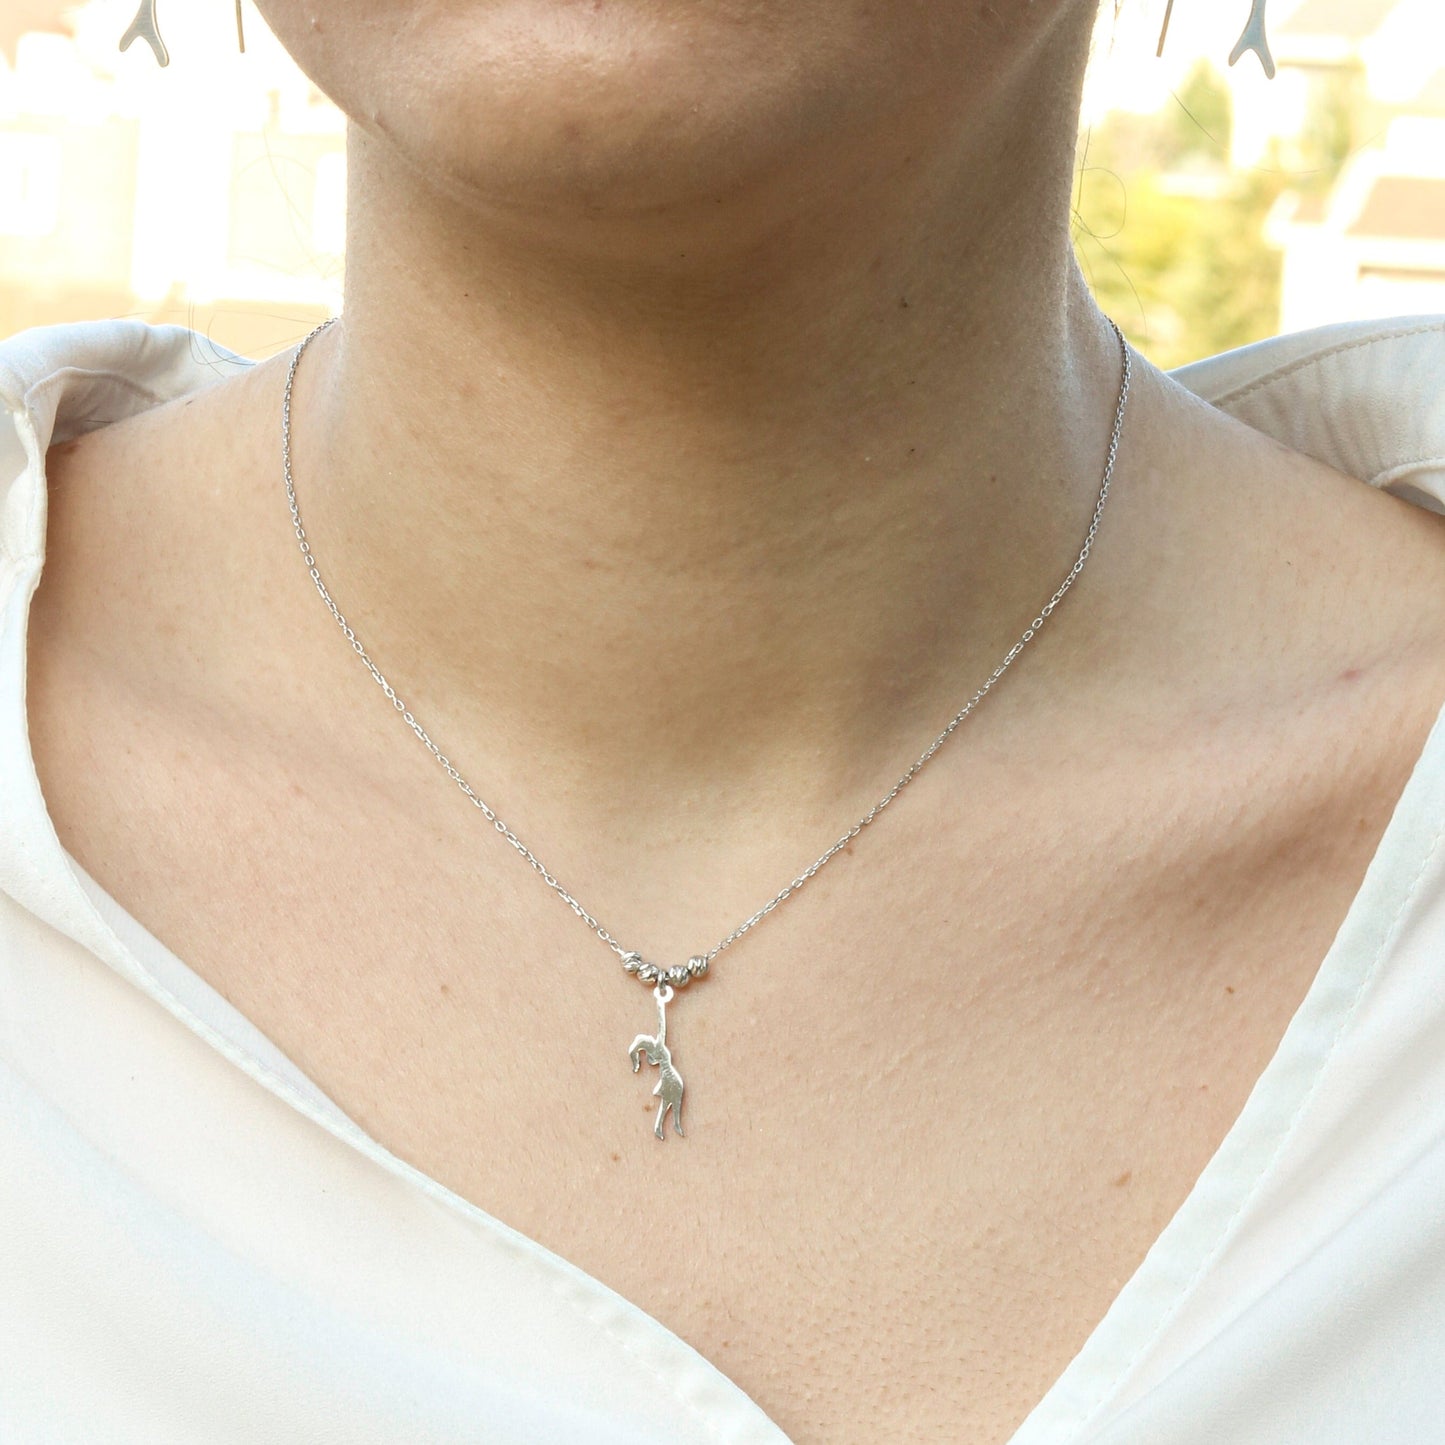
(1212, 206)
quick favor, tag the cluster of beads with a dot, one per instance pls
(679, 975)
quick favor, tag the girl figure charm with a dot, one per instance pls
(669, 1082)
(664, 981)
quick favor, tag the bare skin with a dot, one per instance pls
(670, 586)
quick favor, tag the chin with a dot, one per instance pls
(626, 108)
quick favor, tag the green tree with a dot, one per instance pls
(1198, 123)
(1171, 240)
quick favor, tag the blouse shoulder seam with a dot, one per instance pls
(20, 398)
(1315, 357)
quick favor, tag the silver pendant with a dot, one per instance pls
(654, 1046)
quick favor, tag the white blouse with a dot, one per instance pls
(197, 1245)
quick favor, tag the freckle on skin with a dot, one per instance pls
(1229, 988)
(1349, 674)
(1123, 1179)
(446, 988)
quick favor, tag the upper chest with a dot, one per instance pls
(937, 1108)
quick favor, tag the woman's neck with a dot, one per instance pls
(723, 490)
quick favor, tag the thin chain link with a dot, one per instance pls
(408, 717)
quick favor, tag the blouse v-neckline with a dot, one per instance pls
(105, 369)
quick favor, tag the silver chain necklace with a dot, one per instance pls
(664, 980)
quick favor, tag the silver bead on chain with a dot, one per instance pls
(681, 974)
